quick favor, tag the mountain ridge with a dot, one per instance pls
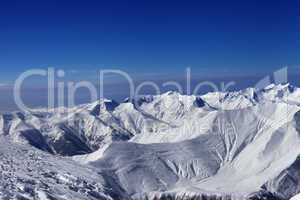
(224, 145)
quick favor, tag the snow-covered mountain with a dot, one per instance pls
(221, 145)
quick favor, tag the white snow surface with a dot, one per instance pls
(230, 145)
(296, 197)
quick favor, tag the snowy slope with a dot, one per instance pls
(238, 145)
(27, 173)
(226, 161)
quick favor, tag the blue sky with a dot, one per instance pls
(143, 37)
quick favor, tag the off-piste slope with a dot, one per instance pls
(242, 145)
(241, 153)
(28, 173)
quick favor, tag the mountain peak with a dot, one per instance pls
(278, 86)
(102, 105)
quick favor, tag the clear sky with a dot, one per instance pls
(149, 36)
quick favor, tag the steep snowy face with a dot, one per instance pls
(232, 100)
(287, 183)
(268, 153)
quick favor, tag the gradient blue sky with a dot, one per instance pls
(144, 37)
